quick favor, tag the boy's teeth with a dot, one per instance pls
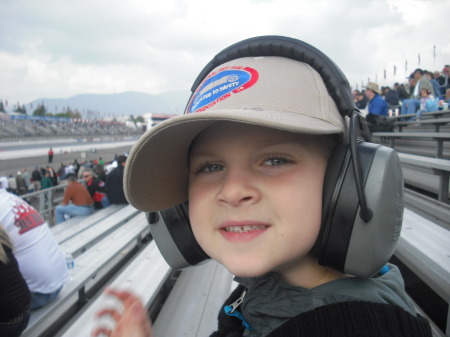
(243, 229)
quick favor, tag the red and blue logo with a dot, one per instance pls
(221, 85)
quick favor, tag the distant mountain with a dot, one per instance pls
(127, 103)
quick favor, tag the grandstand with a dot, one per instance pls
(13, 127)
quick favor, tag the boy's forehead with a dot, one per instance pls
(228, 132)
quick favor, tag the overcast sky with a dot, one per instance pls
(60, 48)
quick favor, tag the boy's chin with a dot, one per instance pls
(246, 271)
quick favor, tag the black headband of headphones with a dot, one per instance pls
(272, 45)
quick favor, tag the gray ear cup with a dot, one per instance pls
(346, 242)
(173, 235)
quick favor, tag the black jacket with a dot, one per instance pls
(114, 186)
(362, 319)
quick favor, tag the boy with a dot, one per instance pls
(250, 155)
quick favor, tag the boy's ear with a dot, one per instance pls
(346, 242)
(171, 230)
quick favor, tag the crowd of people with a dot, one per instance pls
(98, 191)
(425, 91)
(32, 265)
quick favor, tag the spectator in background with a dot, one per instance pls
(427, 103)
(3, 182)
(400, 88)
(41, 261)
(100, 172)
(50, 155)
(377, 105)
(46, 182)
(12, 184)
(101, 162)
(77, 201)
(53, 176)
(62, 172)
(361, 100)
(95, 186)
(410, 106)
(15, 297)
(114, 183)
(69, 169)
(26, 176)
(83, 166)
(392, 98)
(22, 187)
(36, 178)
(444, 80)
(411, 85)
(434, 83)
(76, 167)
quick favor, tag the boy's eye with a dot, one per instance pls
(275, 161)
(209, 167)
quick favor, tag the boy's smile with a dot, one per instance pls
(255, 197)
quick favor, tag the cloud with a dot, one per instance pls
(59, 48)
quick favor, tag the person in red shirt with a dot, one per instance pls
(50, 155)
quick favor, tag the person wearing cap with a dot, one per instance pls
(377, 105)
(250, 155)
(410, 106)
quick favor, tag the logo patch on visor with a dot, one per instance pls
(220, 85)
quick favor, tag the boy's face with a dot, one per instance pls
(255, 197)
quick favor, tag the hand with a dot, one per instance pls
(132, 322)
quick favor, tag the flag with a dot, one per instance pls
(418, 57)
(434, 52)
(406, 65)
(395, 70)
(384, 74)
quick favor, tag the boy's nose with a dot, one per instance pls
(238, 188)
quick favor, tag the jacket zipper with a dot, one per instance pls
(230, 310)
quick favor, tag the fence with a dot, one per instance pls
(45, 201)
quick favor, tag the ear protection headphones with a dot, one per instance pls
(362, 207)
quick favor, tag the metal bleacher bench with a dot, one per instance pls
(439, 137)
(191, 308)
(437, 122)
(439, 167)
(83, 240)
(75, 225)
(424, 247)
(90, 265)
(144, 276)
(193, 305)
